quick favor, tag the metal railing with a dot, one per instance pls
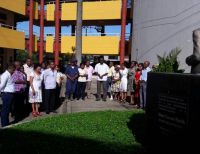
(11, 27)
(88, 34)
(127, 36)
(67, 1)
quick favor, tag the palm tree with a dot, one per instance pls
(78, 52)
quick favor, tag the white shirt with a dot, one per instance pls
(50, 77)
(82, 72)
(143, 76)
(102, 69)
(7, 84)
(111, 71)
(90, 71)
(124, 73)
(58, 77)
(28, 70)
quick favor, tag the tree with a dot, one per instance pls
(22, 55)
(78, 52)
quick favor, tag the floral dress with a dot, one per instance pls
(116, 84)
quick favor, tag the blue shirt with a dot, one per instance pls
(71, 71)
(143, 76)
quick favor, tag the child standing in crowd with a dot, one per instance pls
(137, 84)
(35, 91)
(81, 81)
(116, 83)
(124, 83)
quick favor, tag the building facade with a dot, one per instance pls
(161, 25)
(10, 38)
(56, 13)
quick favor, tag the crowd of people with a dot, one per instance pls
(35, 87)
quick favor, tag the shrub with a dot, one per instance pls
(169, 63)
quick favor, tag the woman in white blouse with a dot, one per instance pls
(82, 79)
(124, 83)
(35, 90)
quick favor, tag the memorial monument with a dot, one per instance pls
(173, 107)
(194, 59)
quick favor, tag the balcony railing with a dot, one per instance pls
(67, 1)
(129, 3)
(127, 36)
(11, 27)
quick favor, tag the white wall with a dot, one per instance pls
(160, 25)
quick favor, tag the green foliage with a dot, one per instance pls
(22, 55)
(86, 132)
(169, 63)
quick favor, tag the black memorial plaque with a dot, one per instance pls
(173, 108)
(172, 114)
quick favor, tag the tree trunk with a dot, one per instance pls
(78, 52)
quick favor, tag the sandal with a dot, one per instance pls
(38, 114)
(34, 114)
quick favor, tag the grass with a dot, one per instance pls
(88, 132)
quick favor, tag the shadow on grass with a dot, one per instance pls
(159, 144)
(16, 141)
(137, 126)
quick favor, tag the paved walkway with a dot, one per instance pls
(85, 106)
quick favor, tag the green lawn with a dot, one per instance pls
(89, 132)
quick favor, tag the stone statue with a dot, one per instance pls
(194, 59)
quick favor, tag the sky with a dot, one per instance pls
(112, 30)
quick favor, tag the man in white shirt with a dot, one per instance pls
(7, 88)
(28, 69)
(90, 71)
(143, 84)
(101, 70)
(49, 77)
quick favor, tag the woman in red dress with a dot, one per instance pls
(137, 84)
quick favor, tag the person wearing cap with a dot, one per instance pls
(72, 76)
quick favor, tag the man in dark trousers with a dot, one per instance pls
(72, 76)
(49, 76)
(7, 89)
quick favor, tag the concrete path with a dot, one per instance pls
(91, 105)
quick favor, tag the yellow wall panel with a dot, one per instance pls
(97, 45)
(67, 43)
(49, 44)
(12, 39)
(93, 10)
(50, 12)
(102, 10)
(35, 38)
(17, 6)
(35, 8)
(68, 11)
